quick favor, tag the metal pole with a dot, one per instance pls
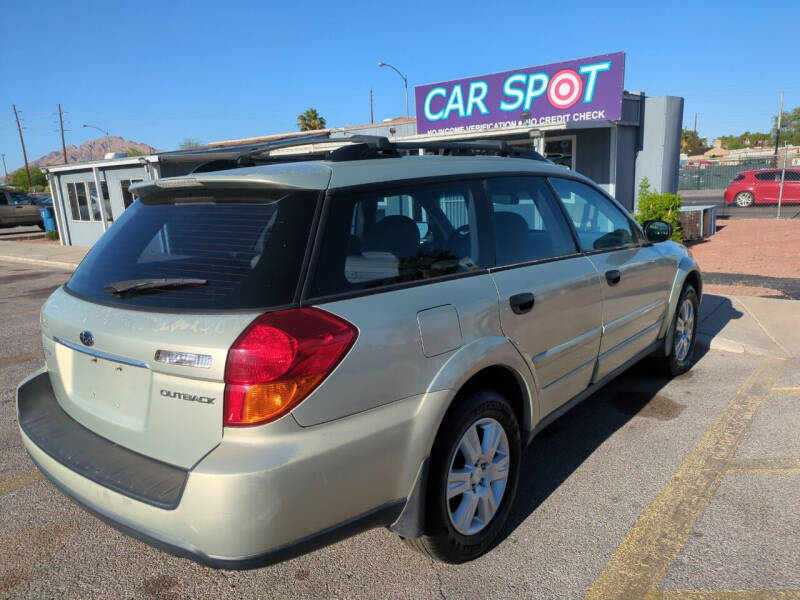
(63, 143)
(783, 178)
(371, 111)
(22, 141)
(5, 170)
(778, 129)
(405, 81)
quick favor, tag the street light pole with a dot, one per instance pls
(4, 166)
(98, 129)
(405, 82)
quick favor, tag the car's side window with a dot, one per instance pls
(3, 198)
(398, 235)
(767, 176)
(600, 225)
(528, 224)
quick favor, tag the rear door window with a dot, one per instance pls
(248, 250)
(528, 224)
(767, 176)
(400, 235)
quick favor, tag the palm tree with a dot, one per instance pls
(310, 120)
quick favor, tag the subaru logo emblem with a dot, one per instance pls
(87, 339)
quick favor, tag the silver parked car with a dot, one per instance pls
(256, 361)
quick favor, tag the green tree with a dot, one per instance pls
(135, 152)
(310, 120)
(691, 142)
(790, 127)
(190, 143)
(19, 179)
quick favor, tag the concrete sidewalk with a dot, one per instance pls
(750, 325)
(49, 254)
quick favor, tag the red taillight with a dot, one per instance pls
(279, 359)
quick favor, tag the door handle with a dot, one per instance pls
(521, 303)
(613, 276)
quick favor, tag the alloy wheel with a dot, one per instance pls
(477, 477)
(684, 330)
(744, 199)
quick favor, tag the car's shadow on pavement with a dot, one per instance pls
(564, 445)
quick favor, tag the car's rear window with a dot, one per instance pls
(249, 251)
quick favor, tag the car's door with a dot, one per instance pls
(7, 213)
(550, 294)
(791, 187)
(636, 277)
(767, 186)
(26, 212)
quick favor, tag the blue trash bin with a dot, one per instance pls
(47, 218)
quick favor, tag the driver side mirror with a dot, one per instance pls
(657, 231)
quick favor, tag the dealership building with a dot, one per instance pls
(576, 113)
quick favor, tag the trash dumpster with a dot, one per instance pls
(47, 218)
(698, 222)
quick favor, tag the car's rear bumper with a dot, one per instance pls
(258, 499)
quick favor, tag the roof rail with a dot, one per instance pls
(354, 147)
(369, 146)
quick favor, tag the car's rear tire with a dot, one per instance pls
(744, 199)
(684, 336)
(475, 461)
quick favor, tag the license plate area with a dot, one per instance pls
(110, 390)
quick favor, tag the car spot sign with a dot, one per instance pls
(586, 89)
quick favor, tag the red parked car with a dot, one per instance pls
(762, 186)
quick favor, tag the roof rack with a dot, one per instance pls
(355, 147)
(382, 147)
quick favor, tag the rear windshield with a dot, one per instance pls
(249, 251)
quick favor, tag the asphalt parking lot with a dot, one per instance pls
(652, 488)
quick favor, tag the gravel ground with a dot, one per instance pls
(752, 247)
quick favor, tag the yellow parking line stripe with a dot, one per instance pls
(640, 563)
(787, 390)
(730, 595)
(764, 465)
(12, 484)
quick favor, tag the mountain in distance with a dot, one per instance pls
(93, 150)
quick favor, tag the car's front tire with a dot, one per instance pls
(472, 480)
(744, 199)
(684, 336)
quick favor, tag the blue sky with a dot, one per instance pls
(159, 72)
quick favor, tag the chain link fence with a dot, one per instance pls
(715, 174)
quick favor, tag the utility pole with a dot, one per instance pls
(4, 167)
(778, 129)
(61, 123)
(371, 111)
(22, 141)
(695, 122)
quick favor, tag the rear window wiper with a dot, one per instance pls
(130, 287)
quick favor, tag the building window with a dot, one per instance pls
(79, 201)
(127, 197)
(73, 202)
(106, 201)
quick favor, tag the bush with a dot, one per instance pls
(51, 235)
(659, 207)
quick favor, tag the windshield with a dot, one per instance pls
(247, 252)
